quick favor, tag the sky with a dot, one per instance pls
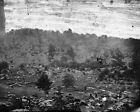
(102, 18)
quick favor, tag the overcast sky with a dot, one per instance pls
(119, 20)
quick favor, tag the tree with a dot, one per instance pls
(117, 56)
(71, 53)
(27, 3)
(2, 17)
(51, 51)
(44, 83)
(136, 65)
(135, 56)
(68, 80)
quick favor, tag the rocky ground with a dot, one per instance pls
(96, 88)
(92, 93)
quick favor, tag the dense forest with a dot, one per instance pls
(33, 45)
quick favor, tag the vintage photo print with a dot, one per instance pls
(69, 55)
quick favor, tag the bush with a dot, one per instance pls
(3, 65)
(103, 74)
(44, 83)
(22, 66)
(68, 80)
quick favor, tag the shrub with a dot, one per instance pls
(103, 74)
(44, 83)
(3, 65)
(22, 66)
(68, 80)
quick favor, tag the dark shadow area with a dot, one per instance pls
(136, 65)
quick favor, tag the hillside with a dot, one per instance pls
(31, 45)
(106, 77)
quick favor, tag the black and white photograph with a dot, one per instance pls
(69, 55)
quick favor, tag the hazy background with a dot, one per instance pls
(82, 16)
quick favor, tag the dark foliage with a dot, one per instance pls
(68, 80)
(103, 74)
(44, 83)
(22, 66)
(51, 52)
(70, 52)
(3, 65)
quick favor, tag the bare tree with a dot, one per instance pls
(27, 3)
